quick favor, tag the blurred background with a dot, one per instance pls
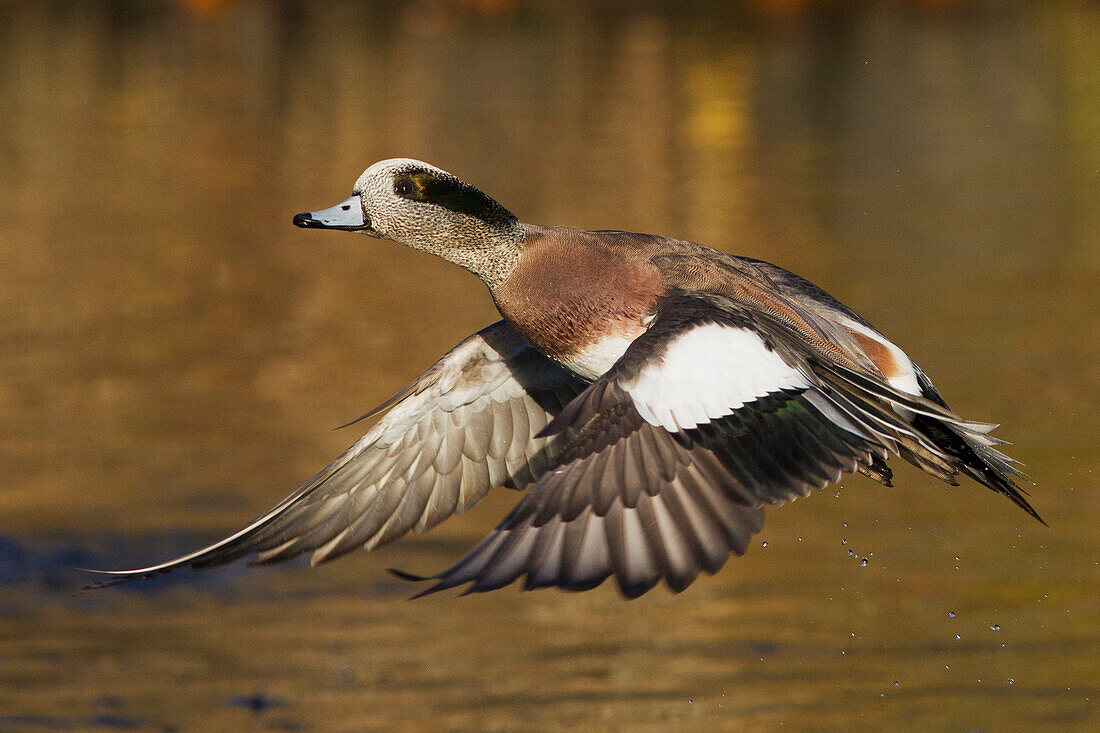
(174, 354)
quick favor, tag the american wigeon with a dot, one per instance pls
(654, 394)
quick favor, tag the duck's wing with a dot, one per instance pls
(466, 425)
(717, 410)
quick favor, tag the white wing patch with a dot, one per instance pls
(905, 379)
(707, 373)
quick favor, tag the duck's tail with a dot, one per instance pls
(974, 453)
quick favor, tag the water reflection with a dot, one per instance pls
(175, 352)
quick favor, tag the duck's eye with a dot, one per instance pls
(402, 188)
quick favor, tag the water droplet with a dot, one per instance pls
(895, 683)
(1011, 681)
(863, 563)
(851, 553)
(765, 543)
(843, 542)
(996, 627)
(950, 614)
(958, 638)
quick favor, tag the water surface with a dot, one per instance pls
(174, 354)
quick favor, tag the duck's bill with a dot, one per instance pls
(348, 215)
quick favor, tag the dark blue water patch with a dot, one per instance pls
(46, 566)
(47, 570)
(258, 702)
(53, 567)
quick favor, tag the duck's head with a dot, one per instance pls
(425, 208)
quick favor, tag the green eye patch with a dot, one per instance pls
(452, 194)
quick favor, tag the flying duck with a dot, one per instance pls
(652, 395)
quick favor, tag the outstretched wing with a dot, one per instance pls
(714, 412)
(466, 425)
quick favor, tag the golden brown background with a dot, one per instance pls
(173, 353)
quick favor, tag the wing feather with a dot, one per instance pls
(466, 425)
(715, 412)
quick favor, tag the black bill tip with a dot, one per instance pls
(347, 215)
(306, 220)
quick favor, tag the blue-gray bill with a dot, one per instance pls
(347, 215)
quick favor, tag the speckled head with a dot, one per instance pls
(423, 207)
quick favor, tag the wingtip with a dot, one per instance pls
(414, 578)
(441, 584)
(431, 591)
(118, 577)
(405, 575)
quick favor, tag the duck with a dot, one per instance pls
(650, 396)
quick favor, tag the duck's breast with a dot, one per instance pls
(579, 304)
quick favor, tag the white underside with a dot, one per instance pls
(593, 361)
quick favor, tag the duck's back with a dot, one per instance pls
(582, 296)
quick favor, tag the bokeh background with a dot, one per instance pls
(174, 354)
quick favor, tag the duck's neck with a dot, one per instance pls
(491, 254)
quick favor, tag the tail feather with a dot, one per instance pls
(878, 470)
(976, 457)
